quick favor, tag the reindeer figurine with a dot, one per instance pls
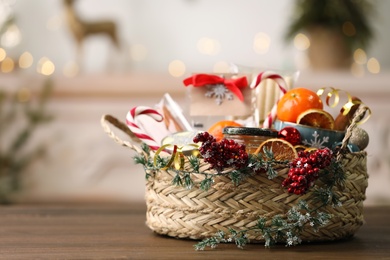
(81, 29)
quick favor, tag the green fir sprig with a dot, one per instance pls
(277, 230)
(286, 228)
(184, 177)
(290, 227)
(21, 116)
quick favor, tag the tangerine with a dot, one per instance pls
(217, 128)
(296, 101)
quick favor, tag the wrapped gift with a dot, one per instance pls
(219, 95)
(268, 91)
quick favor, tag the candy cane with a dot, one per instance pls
(283, 89)
(131, 123)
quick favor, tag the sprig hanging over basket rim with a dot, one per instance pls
(273, 230)
(212, 163)
(195, 165)
(287, 228)
(322, 195)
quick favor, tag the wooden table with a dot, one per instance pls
(118, 232)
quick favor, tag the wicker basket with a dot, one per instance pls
(196, 214)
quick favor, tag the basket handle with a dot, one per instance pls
(357, 118)
(106, 119)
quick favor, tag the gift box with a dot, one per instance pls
(268, 91)
(219, 95)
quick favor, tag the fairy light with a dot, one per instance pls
(25, 60)
(360, 56)
(221, 67)
(373, 66)
(11, 36)
(138, 52)
(208, 46)
(45, 66)
(301, 42)
(3, 54)
(176, 68)
(261, 43)
(7, 65)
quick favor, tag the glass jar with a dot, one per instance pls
(252, 137)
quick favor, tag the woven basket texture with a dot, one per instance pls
(196, 214)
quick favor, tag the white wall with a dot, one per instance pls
(171, 29)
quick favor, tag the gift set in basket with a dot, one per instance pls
(297, 178)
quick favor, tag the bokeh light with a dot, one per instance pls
(261, 43)
(7, 65)
(11, 37)
(349, 29)
(45, 66)
(373, 66)
(360, 56)
(301, 42)
(25, 60)
(176, 68)
(3, 54)
(208, 46)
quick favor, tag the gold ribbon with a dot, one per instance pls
(177, 157)
(346, 108)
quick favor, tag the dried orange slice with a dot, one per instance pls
(317, 118)
(281, 149)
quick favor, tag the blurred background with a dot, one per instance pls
(65, 63)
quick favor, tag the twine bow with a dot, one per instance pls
(234, 85)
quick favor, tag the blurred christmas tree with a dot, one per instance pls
(20, 116)
(335, 28)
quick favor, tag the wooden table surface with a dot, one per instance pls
(118, 232)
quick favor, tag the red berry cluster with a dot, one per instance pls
(305, 169)
(223, 154)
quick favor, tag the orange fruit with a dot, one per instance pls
(317, 118)
(296, 101)
(281, 149)
(216, 129)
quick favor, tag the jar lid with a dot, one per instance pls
(231, 130)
